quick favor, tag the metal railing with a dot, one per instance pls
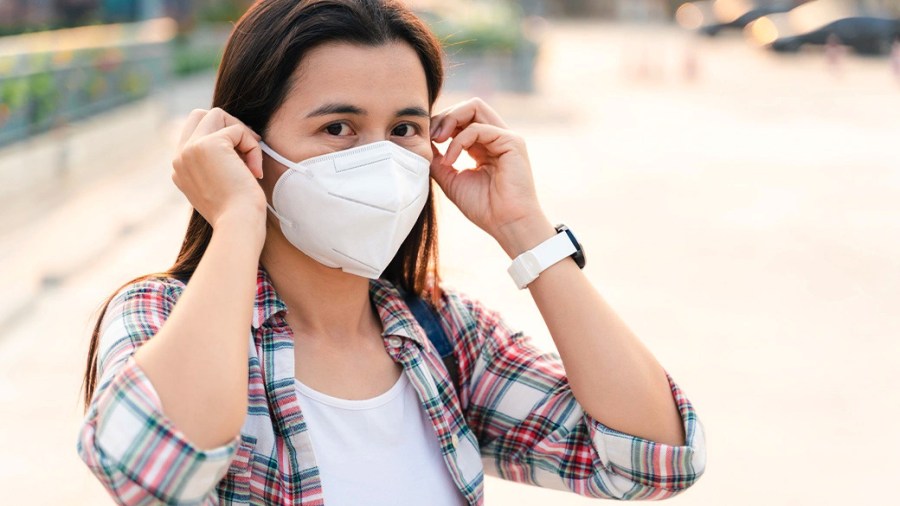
(49, 79)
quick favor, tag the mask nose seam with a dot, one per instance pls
(372, 162)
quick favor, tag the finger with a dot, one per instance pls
(473, 110)
(435, 124)
(190, 125)
(496, 141)
(254, 161)
(245, 143)
(217, 119)
(448, 125)
(436, 155)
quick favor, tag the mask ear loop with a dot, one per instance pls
(278, 158)
(283, 161)
(280, 217)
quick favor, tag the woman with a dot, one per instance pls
(313, 229)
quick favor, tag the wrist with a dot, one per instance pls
(522, 235)
(249, 223)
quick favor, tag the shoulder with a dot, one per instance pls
(134, 314)
(154, 294)
(452, 299)
(465, 313)
(150, 287)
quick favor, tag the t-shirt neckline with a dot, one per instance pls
(353, 404)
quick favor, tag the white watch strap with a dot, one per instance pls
(529, 265)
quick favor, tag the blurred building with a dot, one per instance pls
(640, 10)
(25, 12)
(31, 15)
(614, 9)
(888, 6)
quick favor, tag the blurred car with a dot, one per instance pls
(866, 35)
(823, 22)
(712, 16)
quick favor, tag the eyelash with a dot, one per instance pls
(338, 124)
(416, 129)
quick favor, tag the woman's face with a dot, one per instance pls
(347, 95)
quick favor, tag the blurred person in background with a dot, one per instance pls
(286, 356)
(895, 58)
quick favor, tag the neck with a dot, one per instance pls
(325, 304)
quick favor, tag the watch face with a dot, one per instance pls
(578, 256)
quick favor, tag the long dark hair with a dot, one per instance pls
(262, 53)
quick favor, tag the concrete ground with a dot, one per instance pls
(739, 209)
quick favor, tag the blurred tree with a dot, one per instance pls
(182, 12)
(613, 8)
(126, 11)
(120, 11)
(18, 16)
(76, 12)
(221, 11)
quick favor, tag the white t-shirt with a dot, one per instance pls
(378, 451)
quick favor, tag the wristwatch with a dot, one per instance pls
(529, 265)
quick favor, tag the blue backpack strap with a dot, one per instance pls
(428, 319)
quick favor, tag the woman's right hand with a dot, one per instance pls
(217, 163)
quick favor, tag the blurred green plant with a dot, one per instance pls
(44, 97)
(135, 83)
(188, 60)
(6, 30)
(43, 89)
(478, 27)
(20, 28)
(225, 11)
(488, 43)
(14, 92)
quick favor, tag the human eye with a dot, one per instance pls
(405, 130)
(339, 129)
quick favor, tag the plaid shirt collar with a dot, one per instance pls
(396, 318)
(267, 303)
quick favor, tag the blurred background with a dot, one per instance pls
(732, 168)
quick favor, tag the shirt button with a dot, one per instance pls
(394, 342)
(454, 439)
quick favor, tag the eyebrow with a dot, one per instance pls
(336, 108)
(413, 111)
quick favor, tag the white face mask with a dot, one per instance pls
(351, 209)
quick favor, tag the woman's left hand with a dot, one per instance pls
(498, 194)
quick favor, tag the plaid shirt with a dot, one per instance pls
(514, 417)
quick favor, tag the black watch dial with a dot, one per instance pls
(578, 256)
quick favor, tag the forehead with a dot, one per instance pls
(388, 75)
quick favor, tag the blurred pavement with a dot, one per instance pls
(740, 210)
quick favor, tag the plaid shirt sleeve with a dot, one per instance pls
(517, 400)
(126, 440)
